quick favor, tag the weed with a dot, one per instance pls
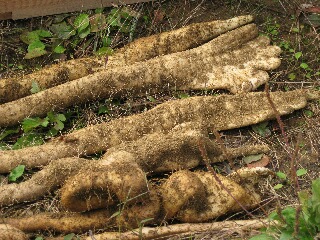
(296, 223)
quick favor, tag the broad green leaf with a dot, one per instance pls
(63, 30)
(43, 33)
(281, 175)
(69, 236)
(289, 214)
(304, 65)
(262, 129)
(34, 87)
(29, 37)
(308, 113)
(286, 235)
(103, 109)
(59, 125)
(262, 236)
(59, 49)
(278, 186)
(104, 51)
(28, 140)
(61, 117)
(85, 32)
(252, 158)
(301, 172)
(297, 55)
(81, 22)
(39, 238)
(292, 76)
(97, 22)
(35, 53)
(16, 173)
(52, 132)
(36, 45)
(29, 124)
(8, 132)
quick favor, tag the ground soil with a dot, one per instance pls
(301, 128)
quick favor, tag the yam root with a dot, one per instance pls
(235, 61)
(8, 232)
(139, 50)
(198, 195)
(153, 153)
(207, 112)
(185, 229)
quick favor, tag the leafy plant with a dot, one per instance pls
(262, 129)
(296, 224)
(16, 173)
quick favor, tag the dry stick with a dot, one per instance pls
(184, 229)
(205, 157)
(224, 149)
(220, 112)
(139, 50)
(285, 137)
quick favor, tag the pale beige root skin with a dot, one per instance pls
(184, 229)
(157, 152)
(205, 200)
(208, 199)
(7, 232)
(190, 69)
(139, 50)
(66, 222)
(208, 112)
(42, 182)
(100, 185)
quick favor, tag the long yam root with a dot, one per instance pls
(207, 112)
(8, 232)
(227, 62)
(142, 49)
(188, 196)
(153, 153)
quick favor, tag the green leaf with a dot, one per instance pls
(43, 33)
(104, 51)
(29, 37)
(301, 172)
(151, 99)
(16, 173)
(145, 220)
(278, 186)
(85, 32)
(281, 175)
(61, 117)
(29, 124)
(8, 132)
(262, 236)
(63, 30)
(304, 65)
(97, 22)
(69, 236)
(81, 22)
(183, 95)
(35, 53)
(36, 45)
(116, 214)
(59, 125)
(59, 49)
(262, 129)
(103, 109)
(52, 132)
(292, 76)
(308, 113)
(39, 238)
(34, 87)
(297, 55)
(27, 140)
(252, 158)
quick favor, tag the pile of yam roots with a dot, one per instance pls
(118, 190)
